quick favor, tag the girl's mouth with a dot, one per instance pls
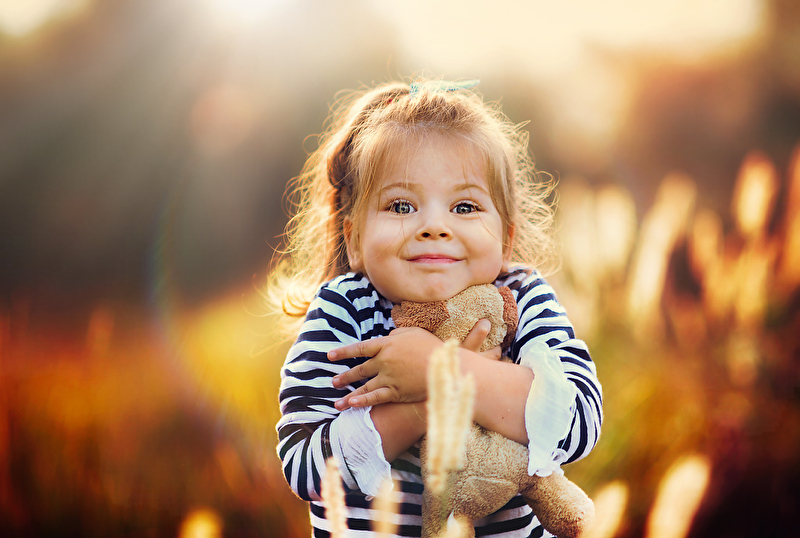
(433, 258)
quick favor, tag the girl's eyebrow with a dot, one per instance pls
(468, 186)
(410, 186)
(404, 185)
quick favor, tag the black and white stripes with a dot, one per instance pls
(349, 309)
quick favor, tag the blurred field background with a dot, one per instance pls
(144, 150)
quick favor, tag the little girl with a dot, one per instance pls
(415, 193)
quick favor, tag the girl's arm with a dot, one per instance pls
(398, 372)
(311, 429)
(400, 425)
(553, 398)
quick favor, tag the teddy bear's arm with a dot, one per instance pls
(509, 315)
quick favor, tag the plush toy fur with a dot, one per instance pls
(495, 468)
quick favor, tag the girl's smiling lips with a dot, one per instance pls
(433, 258)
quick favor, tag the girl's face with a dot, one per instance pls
(431, 229)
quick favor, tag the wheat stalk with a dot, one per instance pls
(455, 528)
(386, 507)
(450, 406)
(679, 496)
(333, 499)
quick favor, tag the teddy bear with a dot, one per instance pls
(495, 467)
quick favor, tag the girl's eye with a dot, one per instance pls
(401, 207)
(465, 207)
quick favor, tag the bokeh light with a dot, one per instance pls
(678, 498)
(201, 523)
(610, 502)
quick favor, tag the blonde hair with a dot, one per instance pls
(371, 128)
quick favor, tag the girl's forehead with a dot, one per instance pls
(403, 159)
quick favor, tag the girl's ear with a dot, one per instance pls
(351, 240)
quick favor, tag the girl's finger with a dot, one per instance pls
(365, 370)
(477, 335)
(368, 348)
(347, 401)
(376, 397)
(496, 353)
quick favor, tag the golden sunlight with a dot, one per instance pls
(552, 37)
(566, 46)
(225, 357)
(21, 17)
(239, 12)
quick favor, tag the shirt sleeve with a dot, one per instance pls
(311, 429)
(355, 441)
(563, 412)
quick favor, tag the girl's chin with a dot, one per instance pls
(431, 295)
(426, 291)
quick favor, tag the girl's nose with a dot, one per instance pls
(427, 235)
(434, 226)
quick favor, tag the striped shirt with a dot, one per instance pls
(349, 309)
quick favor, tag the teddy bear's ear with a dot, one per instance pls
(509, 315)
(428, 316)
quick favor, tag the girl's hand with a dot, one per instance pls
(398, 367)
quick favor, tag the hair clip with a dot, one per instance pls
(441, 86)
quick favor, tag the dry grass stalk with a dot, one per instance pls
(387, 509)
(754, 271)
(436, 402)
(753, 201)
(754, 195)
(711, 265)
(450, 405)
(789, 270)
(455, 528)
(661, 229)
(679, 496)
(616, 227)
(577, 229)
(735, 277)
(705, 243)
(610, 503)
(597, 232)
(333, 499)
(742, 322)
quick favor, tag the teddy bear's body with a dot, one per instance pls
(495, 468)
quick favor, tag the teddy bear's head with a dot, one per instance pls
(455, 317)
